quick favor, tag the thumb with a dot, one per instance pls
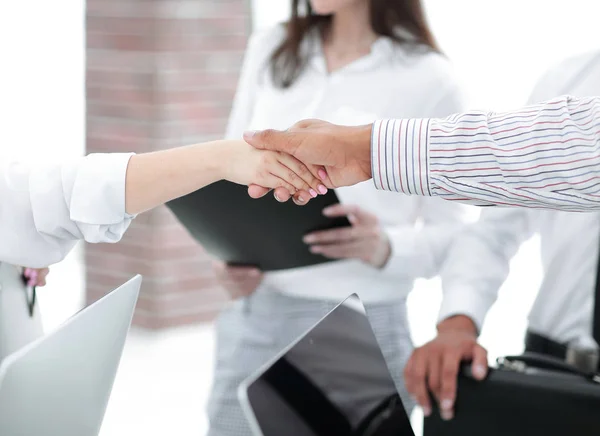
(270, 139)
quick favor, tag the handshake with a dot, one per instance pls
(300, 162)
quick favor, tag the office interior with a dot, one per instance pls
(499, 50)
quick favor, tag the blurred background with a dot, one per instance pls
(139, 75)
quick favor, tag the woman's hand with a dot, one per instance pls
(238, 281)
(246, 165)
(364, 239)
(36, 276)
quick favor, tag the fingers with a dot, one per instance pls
(354, 213)
(238, 281)
(342, 234)
(480, 362)
(415, 378)
(300, 175)
(235, 272)
(275, 182)
(348, 250)
(300, 198)
(450, 367)
(36, 277)
(281, 194)
(341, 210)
(256, 191)
(270, 140)
(434, 374)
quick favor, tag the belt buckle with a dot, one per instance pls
(584, 359)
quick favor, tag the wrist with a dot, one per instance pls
(217, 156)
(458, 323)
(360, 143)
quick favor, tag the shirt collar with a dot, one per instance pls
(382, 48)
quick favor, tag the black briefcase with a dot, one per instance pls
(526, 395)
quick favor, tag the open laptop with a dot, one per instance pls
(59, 385)
(324, 385)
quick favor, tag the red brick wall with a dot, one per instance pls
(160, 73)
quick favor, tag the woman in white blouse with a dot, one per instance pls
(349, 62)
(46, 209)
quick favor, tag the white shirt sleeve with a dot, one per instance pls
(420, 251)
(547, 155)
(478, 262)
(47, 208)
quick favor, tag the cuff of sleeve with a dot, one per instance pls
(464, 301)
(403, 244)
(400, 156)
(98, 196)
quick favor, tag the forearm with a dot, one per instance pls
(418, 252)
(541, 156)
(155, 178)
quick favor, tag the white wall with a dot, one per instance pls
(42, 48)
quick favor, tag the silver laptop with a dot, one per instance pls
(60, 384)
(333, 380)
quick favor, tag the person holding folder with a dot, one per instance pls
(346, 61)
(47, 208)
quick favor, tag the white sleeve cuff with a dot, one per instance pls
(98, 195)
(465, 301)
(403, 244)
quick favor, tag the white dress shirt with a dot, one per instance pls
(479, 260)
(389, 81)
(546, 155)
(47, 208)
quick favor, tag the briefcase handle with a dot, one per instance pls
(528, 360)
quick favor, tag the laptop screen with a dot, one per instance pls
(333, 381)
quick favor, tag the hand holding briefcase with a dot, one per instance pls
(526, 395)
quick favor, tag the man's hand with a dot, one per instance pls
(344, 152)
(364, 240)
(434, 366)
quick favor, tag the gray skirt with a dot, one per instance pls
(255, 329)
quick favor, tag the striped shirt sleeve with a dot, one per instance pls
(543, 156)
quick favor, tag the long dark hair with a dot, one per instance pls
(387, 17)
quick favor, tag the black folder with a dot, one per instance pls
(260, 232)
(530, 401)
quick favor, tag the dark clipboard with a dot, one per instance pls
(261, 232)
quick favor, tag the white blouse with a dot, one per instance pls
(46, 209)
(389, 82)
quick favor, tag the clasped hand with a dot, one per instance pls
(333, 155)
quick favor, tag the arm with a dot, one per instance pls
(46, 209)
(419, 251)
(546, 155)
(475, 268)
(479, 261)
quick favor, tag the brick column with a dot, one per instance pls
(160, 73)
